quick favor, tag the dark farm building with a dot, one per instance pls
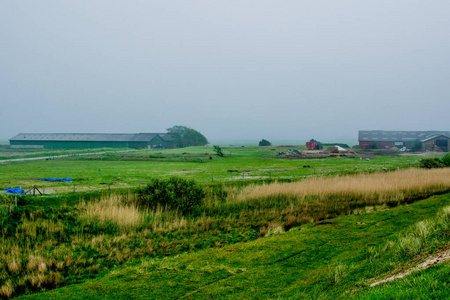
(91, 140)
(381, 139)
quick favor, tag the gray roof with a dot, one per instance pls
(166, 137)
(436, 136)
(397, 136)
(87, 137)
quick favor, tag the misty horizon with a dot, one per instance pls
(236, 72)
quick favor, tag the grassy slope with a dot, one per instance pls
(325, 261)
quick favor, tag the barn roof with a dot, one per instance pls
(397, 136)
(436, 136)
(87, 137)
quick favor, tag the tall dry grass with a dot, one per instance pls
(112, 208)
(398, 182)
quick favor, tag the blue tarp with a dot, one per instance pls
(15, 190)
(56, 179)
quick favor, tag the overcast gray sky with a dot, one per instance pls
(233, 70)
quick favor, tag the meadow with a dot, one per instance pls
(341, 225)
(131, 169)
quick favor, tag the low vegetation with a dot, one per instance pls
(175, 194)
(44, 247)
(435, 162)
(336, 259)
(116, 213)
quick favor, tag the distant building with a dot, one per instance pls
(91, 140)
(381, 139)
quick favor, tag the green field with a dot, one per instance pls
(271, 229)
(133, 168)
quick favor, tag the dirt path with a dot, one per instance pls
(438, 258)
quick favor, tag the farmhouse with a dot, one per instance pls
(381, 139)
(91, 140)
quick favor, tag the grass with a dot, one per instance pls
(112, 209)
(122, 170)
(65, 238)
(363, 186)
(326, 261)
(6, 152)
(74, 243)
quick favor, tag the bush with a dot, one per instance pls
(446, 160)
(429, 163)
(175, 193)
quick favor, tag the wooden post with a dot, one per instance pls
(10, 207)
(15, 199)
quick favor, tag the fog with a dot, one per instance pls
(237, 71)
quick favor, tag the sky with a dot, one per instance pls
(286, 71)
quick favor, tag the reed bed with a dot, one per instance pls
(363, 185)
(112, 208)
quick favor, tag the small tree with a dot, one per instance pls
(218, 151)
(264, 142)
(416, 145)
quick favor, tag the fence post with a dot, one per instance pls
(15, 199)
(10, 207)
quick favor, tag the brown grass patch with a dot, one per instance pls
(7, 290)
(111, 208)
(363, 184)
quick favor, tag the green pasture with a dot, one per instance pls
(130, 169)
(335, 259)
(223, 249)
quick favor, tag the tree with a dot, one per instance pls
(416, 145)
(218, 151)
(184, 136)
(264, 142)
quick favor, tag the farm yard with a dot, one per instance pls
(267, 225)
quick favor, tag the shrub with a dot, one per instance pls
(429, 163)
(446, 159)
(175, 193)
